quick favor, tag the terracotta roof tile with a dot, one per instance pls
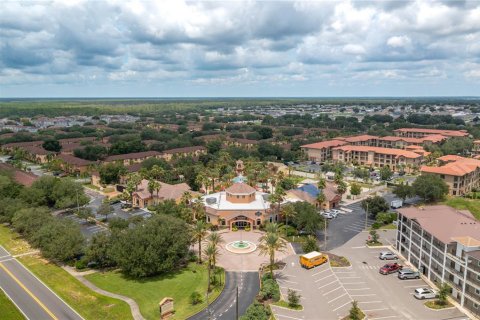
(240, 188)
(396, 152)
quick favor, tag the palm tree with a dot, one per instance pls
(152, 186)
(269, 243)
(199, 233)
(215, 239)
(198, 210)
(157, 172)
(321, 199)
(186, 198)
(341, 187)
(210, 252)
(288, 211)
(322, 183)
(272, 227)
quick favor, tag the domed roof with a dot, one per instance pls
(240, 188)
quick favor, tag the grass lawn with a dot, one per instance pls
(9, 311)
(433, 304)
(88, 303)
(473, 205)
(12, 241)
(389, 226)
(149, 292)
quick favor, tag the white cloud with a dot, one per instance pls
(398, 41)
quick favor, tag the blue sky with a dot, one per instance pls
(239, 48)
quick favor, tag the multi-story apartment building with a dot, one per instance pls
(459, 173)
(377, 157)
(444, 245)
(421, 132)
(321, 151)
(476, 148)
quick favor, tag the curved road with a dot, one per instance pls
(224, 308)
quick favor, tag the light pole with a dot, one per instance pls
(366, 217)
(325, 235)
(236, 306)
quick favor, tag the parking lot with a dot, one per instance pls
(383, 296)
(327, 293)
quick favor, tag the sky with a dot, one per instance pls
(239, 48)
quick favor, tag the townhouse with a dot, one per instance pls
(72, 164)
(461, 174)
(377, 157)
(143, 198)
(194, 152)
(444, 245)
(135, 157)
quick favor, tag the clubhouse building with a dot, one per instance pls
(240, 206)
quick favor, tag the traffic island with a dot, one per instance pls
(438, 305)
(338, 261)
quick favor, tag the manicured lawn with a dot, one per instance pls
(12, 241)
(284, 304)
(149, 292)
(473, 205)
(88, 303)
(8, 309)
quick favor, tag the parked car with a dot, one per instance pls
(395, 204)
(425, 293)
(387, 255)
(335, 212)
(390, 268)
(327, 215)
(408, 274)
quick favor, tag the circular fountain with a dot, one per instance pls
(241, 246)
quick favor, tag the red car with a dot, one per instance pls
(390, 268)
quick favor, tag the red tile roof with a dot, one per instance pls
(396, 152)
(69, 159)
(134, 155)
(324, 144)
(457, 166)
(450, 133)
(185, 150)
(240, 188)
(21, 177)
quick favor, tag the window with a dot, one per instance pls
(243, 197)
(475, 305)
(477, 292)
(208, 218)
(442, 176)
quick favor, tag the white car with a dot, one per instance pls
(387, 255)
(327, 215)
(425, 293)
(336, 212)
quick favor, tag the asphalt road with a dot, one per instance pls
(224, 308)
(34, 299)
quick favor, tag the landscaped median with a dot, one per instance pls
(148, 292)
(88, 304)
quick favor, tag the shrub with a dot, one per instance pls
(376, 225)
(310, 244)
(195, 298)
(293, 298)
(256, 311)
(269, 290)
(355, 313)
(81, 264)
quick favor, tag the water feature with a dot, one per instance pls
(241, 246)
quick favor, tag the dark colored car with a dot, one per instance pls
(390, 268)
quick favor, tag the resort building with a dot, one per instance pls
(309, 193)
(72, 164)
(194, 152)
(24, 178)
(142, 198)
(421, 132)
(459, 173)
(240, 206)
(444, 245)
(476, 148)
(376, 156)
(321, 151)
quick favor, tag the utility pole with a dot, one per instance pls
(366, 217)
(236, 305)
(325, 235)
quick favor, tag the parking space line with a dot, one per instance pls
(332, 291)
(347, 283)
(328, 284)
(357, 289)
(370, 310)
(320, 272)
(324, 277)
(343, 305)
(411, 287)
(281, 280)
(337, 297)
(363, 295)
(349, 278)
(289, 288)
(288, 317)
(387, 317)
(337, 272)
(378, 301)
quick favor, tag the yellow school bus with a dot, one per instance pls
(313, 259)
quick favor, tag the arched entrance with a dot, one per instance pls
(241, 223)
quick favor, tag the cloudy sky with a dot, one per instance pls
(239, 48)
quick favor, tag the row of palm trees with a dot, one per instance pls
(270, 243)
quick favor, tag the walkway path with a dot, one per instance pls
(133, 305)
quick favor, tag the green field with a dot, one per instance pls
(149, 292)
(473, 205)
(8, 309)
(89, 304)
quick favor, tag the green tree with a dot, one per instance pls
(288, 212)
(430, 187)
(355, 189)
(271, 242)
(99, 250)
(215, 239)
(110, 173)
(152, 186)
(307, 217)
(322, 183)
(355, 313)
(210, 252)
(320, 199)
(105, 209)
(156, 247)
(443, 292)
(52, 145)
(199, 232)
(374, 236)
(374, 205)
(256, 311)
(293, 298)
(385, 173)
(85, 213)
(310, 244)
(404, 191)
(341, 187)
